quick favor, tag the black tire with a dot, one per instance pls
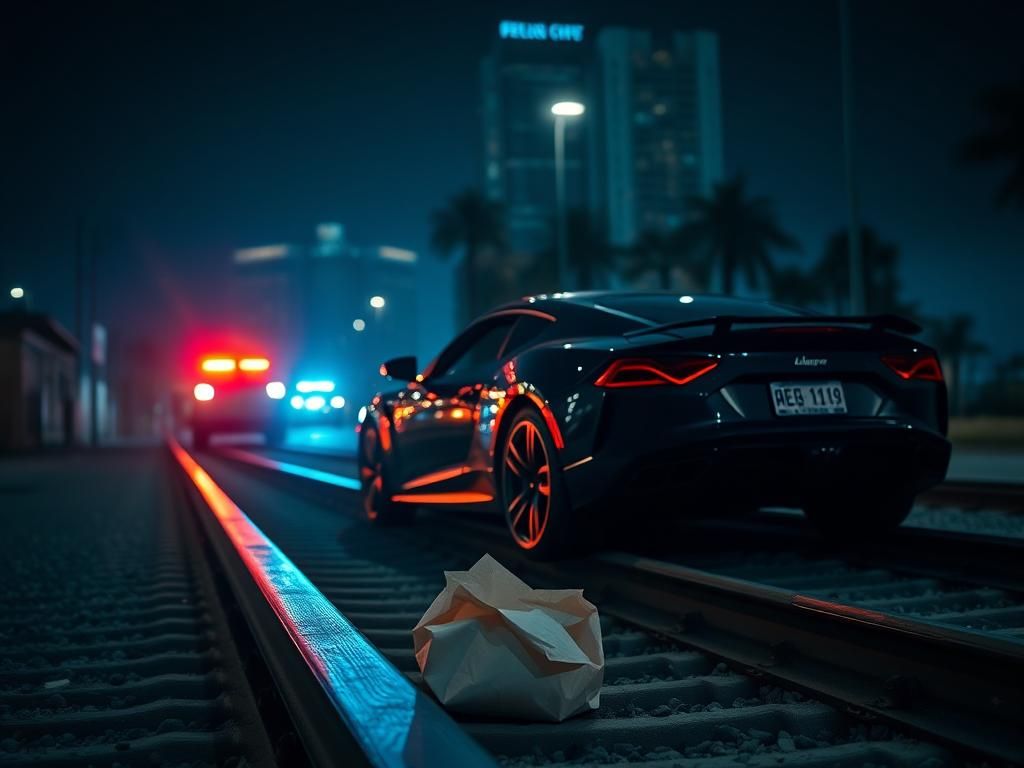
(200, 438)
(857, 517)
(375, 490)
(532, 493)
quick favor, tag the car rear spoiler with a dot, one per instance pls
(724, 323)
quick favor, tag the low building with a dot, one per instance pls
(330, 309)
(38, 361)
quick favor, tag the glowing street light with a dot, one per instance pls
(17, 292)
(568, 109)
(359, 325)
(562, 110)
(377, 302)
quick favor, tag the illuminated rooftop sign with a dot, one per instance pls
(261, 253)
(540, 30)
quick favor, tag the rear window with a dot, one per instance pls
(669, 309)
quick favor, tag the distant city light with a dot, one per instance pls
(261, 253)
(359, 325)
(17, 293)
(315, 403)
(377, 302)
(686, 299)
(396, 254)
(567, 109)
(203, 392)
(297, 402)
(337, 401)
(275, 390)
(324, 385)
(361, 416)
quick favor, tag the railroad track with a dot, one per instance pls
(701, 665)
(115, 646)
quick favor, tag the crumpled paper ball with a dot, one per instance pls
(490, 645)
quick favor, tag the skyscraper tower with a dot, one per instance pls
(532, 66)
(658, 128)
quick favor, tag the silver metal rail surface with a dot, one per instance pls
(348, 703)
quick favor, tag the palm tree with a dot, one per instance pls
(880, 265)
(474, 224)
(792, 285)
(953, 337)
(651, 253)
(1003, 141)
(663, 253)
(737, 231)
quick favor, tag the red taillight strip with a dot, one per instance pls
(391, 721)
(658, 376)
(921, 367)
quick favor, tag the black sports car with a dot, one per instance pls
(557, 407)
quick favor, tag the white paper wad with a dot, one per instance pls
(491, 645)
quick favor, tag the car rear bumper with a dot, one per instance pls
(768, 466)
(237, 416)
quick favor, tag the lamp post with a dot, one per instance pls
(853, 204)
(562, 111)
(20, 298)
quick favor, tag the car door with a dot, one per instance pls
(435, 418)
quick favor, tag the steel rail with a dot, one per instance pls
(979, 559)
(955, 686)
(349, 705)
(971, 495)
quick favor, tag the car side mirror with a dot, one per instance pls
(401, 368)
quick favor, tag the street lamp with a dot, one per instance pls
(17, 292)
(377, 302)
(562, 110)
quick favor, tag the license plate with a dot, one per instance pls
(812, 399)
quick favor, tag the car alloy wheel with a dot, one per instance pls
(371, 473)
(526, 484)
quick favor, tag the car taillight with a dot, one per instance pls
(254, 364)
(922, 366)
(218, 364)
(651, 372)
(203, 391)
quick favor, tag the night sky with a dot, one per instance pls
(181, 133)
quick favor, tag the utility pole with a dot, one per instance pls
(94, 422)
(563, 110)
(853, 205)
(83, 345)
(562, 235)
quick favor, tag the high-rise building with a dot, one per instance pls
(532, 66)
(658, 128)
